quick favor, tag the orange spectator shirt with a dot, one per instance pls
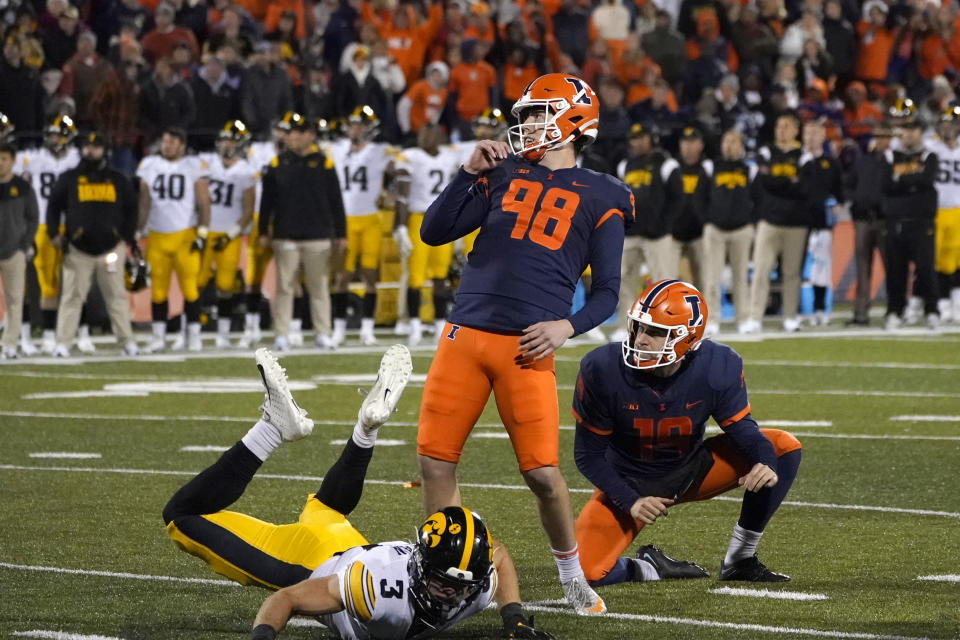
(472, 84)
(516, 79)
(874, 52)
(426, 104)
(276, 9)
(859, 122)
(933, 59)
(407, 46)
(157, 45)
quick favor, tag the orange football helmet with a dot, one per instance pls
(673, 308)
(571, 110)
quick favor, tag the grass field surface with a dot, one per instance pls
(870, 533)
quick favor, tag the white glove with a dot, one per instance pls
(403, 241)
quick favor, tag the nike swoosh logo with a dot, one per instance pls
(577, 184)
(691, 405)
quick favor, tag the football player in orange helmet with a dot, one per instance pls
(641, 409)
(542, 220)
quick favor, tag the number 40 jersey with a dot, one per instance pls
(172, 198)
(375, 589)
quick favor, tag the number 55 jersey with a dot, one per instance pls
(539, 229)
(375, 589)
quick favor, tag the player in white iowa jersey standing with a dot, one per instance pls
(423, 172)
(947, 249)
(361, 168)
(175, 207)
(321, 565)
(232, 183)
(42, 167)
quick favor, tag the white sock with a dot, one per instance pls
(159, 330)
(568, 563)
(83, 331)
(296, 325)
(262, 439)
(362, 437)
(223, 327)
(340, 325)
(648, 573)
(416, 326)
(49, 334)
(743, 544)
(366, 326)
(25, 331)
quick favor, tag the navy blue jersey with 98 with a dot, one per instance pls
(651, 425)
(539, 229)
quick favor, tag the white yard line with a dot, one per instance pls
(872, 436)
(381, 442)
(925, 418)
(551, 606)
(947, 577)
(559, 606)
(768, 593)
(69, 455)
(115, 574)
(200, 448)
(474, 485)
(45, 634)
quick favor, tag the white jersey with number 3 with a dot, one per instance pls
(948, 175)
(375, 589)
(429, 175)
(227, 185)
(172, 199)
(43, 168)
(360, 174)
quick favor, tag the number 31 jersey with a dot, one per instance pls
(429, 175)
(172, 199)
(227, 185)
(360, 174)
(375, 589)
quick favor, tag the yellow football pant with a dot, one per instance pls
(47, 262)
(169, 252)
(226, 262)
(364, 234)
(257, 257)
(254, 552)
(947, 242)
(424, 260)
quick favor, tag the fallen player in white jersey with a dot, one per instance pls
(323, 567)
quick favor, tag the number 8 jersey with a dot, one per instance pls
(172, 196)
(375, 589)
(43, 169)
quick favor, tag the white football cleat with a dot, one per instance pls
(791, 324)
(914, 310)
(179, 342)
(394, 374)
(279, 408)
(367, 339)
(28, 348)
(194, 341)
(10, 353)
(893, 322)
(221, 342)
(582, 599)
(84, 341)
(280, 344)
(402, 328)
(324, 341)
(296, 338)
(749, 326)
(156, 345)
(131, 349)
(61, 351)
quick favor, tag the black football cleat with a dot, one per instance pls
(668, 568)
(750, 570)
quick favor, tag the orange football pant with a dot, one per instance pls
(469, 364)
(604, 531)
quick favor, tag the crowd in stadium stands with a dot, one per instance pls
(747, 126)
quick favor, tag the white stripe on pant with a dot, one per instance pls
(79, 269)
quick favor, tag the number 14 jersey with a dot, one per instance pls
(360, 173)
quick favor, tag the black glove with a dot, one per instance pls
(517, 625)
(199, 244)
(221, 243)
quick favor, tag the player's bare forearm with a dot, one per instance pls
(508, 584)
(202, 191)
(543, 338)
(312, 597)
